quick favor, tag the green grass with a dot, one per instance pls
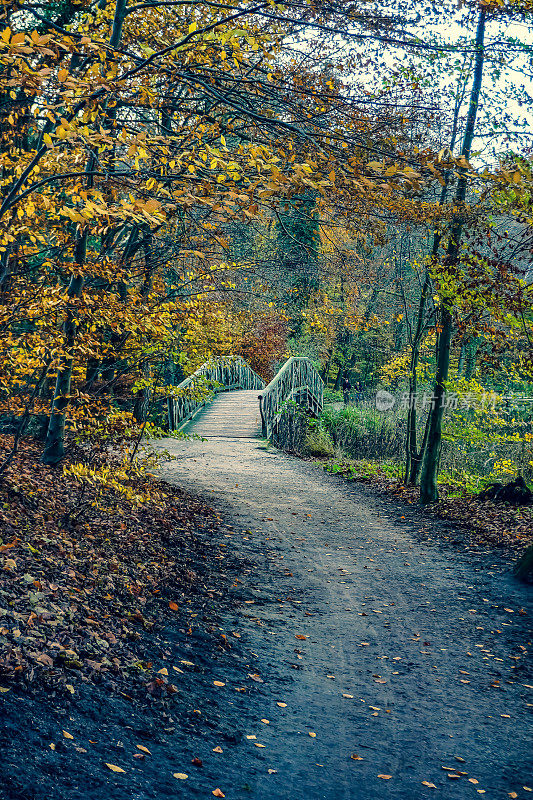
(459, 484)
(365, 469)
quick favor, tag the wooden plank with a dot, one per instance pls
(231, 415)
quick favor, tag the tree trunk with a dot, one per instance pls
(471, 355)
(428, 488)
(418, 457)
(415, 456)
(412, 454)
(428, 485)
(140, 409)
(325, 371)
(54, 448)
(461, 362)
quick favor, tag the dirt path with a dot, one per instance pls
(414, 656)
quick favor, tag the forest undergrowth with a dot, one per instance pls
(89, 573)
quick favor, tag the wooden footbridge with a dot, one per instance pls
(225, 398)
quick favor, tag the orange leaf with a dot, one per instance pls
(173, 606)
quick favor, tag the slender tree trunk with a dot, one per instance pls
(24, 419)
(418, 457)
(54, 448)
(471, 355)
(141, 406)
(325, 371)
(461, 362)
(428, 487)
(415, 456)
(412, 454)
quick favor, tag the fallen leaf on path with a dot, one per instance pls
(355, 757)
(197, 762)
(473, 780)
(513, 795)
(272, 771)
(251, 736)
(114, 768)
(217, 749)
(349, 696)
(219, 683)
(218, 793)
(312, 734)
(266, 721)
(143, 749)
(67, 735)
(181, 776)
(300, 636)
(429, 785)
(282, 705)
(163, 671)
(257, 744)
(173, 606)
(5, 689)
(385, 777)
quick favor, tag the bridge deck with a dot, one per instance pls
(231, 415)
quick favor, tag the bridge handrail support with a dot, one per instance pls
(296, 377)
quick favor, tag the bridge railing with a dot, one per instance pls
(297, 381)
(217, 375)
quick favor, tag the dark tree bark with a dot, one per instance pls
(428, 487)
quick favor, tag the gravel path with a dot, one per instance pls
(379, 660)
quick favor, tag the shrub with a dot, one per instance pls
(318, 442)
(363, 432)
